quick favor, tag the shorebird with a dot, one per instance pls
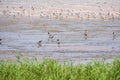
(85, 35)
(39, 43)
(114, 36)
(113, 48)
(58, 42)
(0, 41)
(50, 37)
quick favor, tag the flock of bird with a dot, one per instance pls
(61, 13)
(51, 37)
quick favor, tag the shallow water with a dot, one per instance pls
(24, 34)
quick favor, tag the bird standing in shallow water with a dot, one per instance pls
(50, 37)
(114, 36)
(0, 41)
(85, 35)
(58, 42)
(39, 43)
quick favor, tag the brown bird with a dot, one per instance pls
(114, 36)
(50, 37)
(39, 43)
(0, 41)
(85, 35)
(58, 42)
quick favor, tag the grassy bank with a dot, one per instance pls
(51, 70)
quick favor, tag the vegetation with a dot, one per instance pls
(51, 70)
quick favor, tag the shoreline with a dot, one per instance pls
(75, 58)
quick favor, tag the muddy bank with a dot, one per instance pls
(75, 58)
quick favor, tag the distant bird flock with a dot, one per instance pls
(61, 13)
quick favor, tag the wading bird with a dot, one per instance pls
(114, 36)
(51, 36)
(58, 42)
(39, 43)
(0, 41)
(85, 35)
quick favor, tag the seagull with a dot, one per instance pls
(39, 43)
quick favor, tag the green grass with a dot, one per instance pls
(51, 70)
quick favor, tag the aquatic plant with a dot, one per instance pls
(52, 70)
